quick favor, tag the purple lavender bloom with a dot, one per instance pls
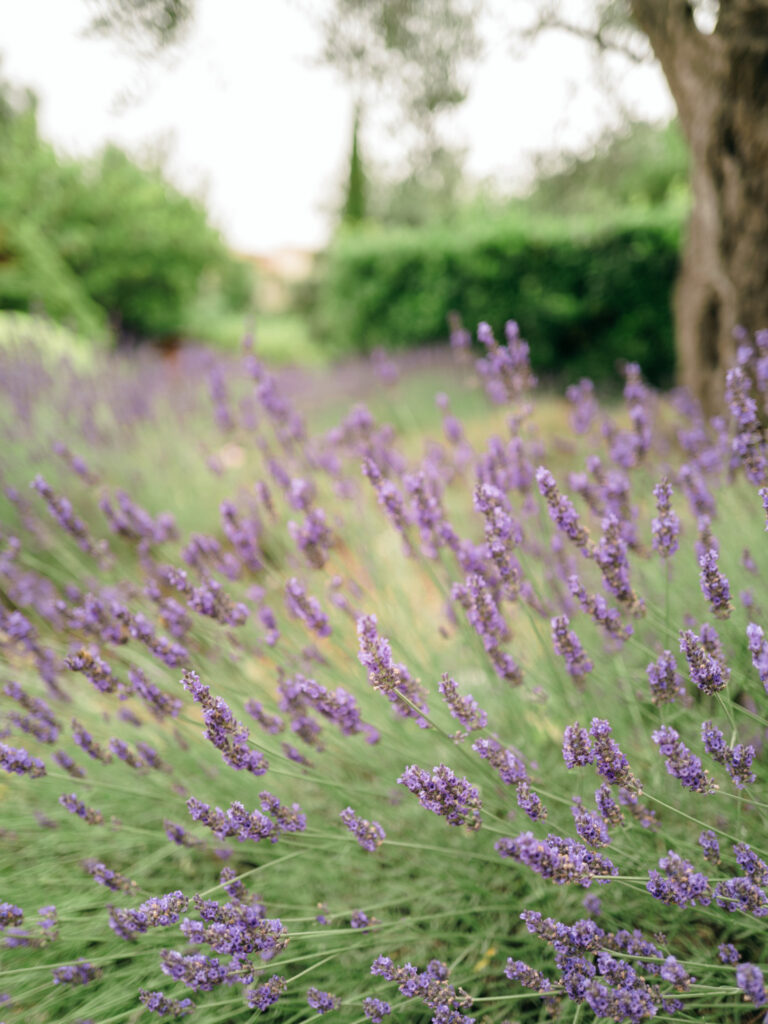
(763, 492)
(80, 973)
(758, 648)
(708, 672)
(391, 500)
(585, 408)
(502, 533)
(445, 794)
(107, 877)
(18, 761)
(748, 444)
(369, 834)
(465, 709)
(376, 1009)
(61, 510)
(40, 723)
(611, 556)
(243, 535)
(737, 760)
(156, 912)
(266, 995)
(562, 513)
(568, 646)
(741, 894)
(477, 599)
(301, 606)
(589, 825)
(508, 763)
(428, 513)
(360, 920)
(11, 916)
(518, 970)
(384, 674)
(269, 723)
(322, 1002)
(608, 758)
(158, 1002)
(592, 904)
(89, 814)
(750, 863)
(681, 763)
(609, 810)
(750, 980)
(596, 606)
(728, 953)
(714, 585)
(131, 521)
(223, 730)
(577, 747)
(235, 822)
(198, 972)
(680, 884)
(562, 860)
(664, 680)
(709, 843)
(313, 537)
(161, 705)
(94, 669)
(666, 526)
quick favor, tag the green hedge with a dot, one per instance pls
(89, 242)
(586, 295)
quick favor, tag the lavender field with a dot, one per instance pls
(429, 696)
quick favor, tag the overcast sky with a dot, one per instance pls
(250, 121)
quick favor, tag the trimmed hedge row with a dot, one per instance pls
(585, 295)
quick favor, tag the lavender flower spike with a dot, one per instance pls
(758, 648)
(17, 761)
(561, 860)
(664, 680)
(714, 585)
(666, 526)
(465, 709)
(445, 794)
(706, 670)
(562, 513)
(681, 763)
(394, 680)
(568, 646)
(369, 834)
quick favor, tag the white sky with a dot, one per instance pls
(251, 122)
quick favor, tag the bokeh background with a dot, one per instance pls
(295, 168)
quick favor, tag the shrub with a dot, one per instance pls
(590, 293)
(103, 240)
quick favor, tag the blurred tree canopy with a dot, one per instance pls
(714, 55)
(102, 240)
(642, 165)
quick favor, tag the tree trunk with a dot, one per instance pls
(720, 84)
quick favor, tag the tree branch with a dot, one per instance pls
(597, 36)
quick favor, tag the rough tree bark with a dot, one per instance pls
(720, 85)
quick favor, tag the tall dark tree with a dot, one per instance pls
(355, 202)
(720, 84)
(714, 55)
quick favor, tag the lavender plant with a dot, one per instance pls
(413, 715)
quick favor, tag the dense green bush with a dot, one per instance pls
(589, 293)
(104, 240)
